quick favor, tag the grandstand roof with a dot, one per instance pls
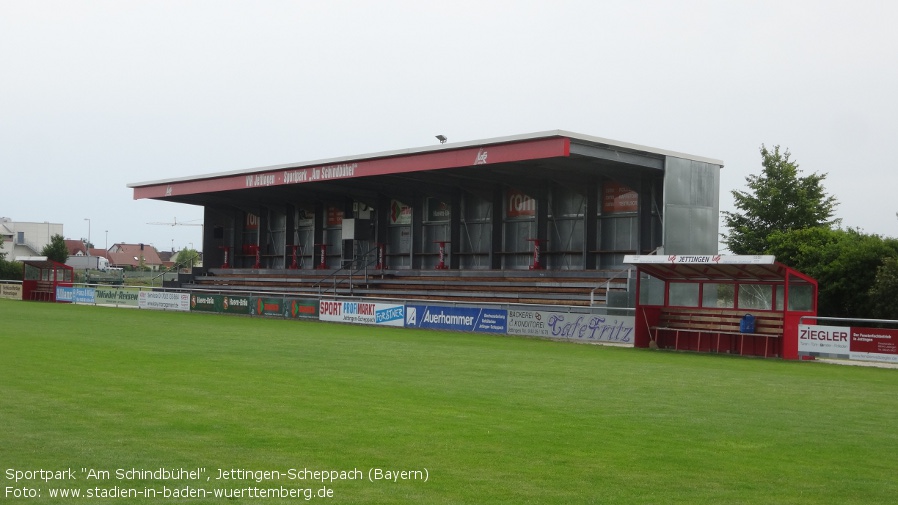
(521, 157)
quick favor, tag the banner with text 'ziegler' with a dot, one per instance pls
(852, 342)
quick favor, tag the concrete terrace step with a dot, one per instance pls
(539, 287)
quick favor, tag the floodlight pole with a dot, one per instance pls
(87, 248)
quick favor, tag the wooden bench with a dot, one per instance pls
(717, 322)
(43, 291)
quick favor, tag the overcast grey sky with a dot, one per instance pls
(98, 94)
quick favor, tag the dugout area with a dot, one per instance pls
(546, 201)
(746, 305)
(41, 277)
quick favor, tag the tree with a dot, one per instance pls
(779, 199)
(56, 249)
(9, 270)
(188, 258)
(884, 291)
(844, 262)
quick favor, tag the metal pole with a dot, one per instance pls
(87, 246)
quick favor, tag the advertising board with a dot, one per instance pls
(301, 308)
(160, 300)
(386, 314)
(268, 306)
(117, 296)
(400, 213)
(571, 326)
(75, 295)
(11, 291)
(829, 340)
(438, 210)
(849, 342)
(224, 304)
(874, 344)
(519, 205)
(618, 198)
(456, 318)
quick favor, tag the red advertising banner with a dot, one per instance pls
(874, 340)
(252, 222)
(618, 198)
(334, 216)
(519, 205)
(416, 162)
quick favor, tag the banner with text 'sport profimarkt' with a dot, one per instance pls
(387, 314)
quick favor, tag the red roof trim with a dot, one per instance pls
(483, 155)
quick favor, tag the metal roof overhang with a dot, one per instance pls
(714, 268)
(44, 263)
(524, 161)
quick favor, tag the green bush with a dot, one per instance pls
(10, 270)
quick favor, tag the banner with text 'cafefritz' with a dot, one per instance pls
(572, 326)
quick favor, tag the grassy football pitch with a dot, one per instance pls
(137, 406)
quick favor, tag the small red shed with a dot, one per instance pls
(748, 305)
(41, 277)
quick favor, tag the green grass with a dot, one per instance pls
(492, 419)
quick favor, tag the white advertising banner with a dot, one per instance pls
(386, 314)
(699, 259)
(11, 291)
(834, 340)
(571, 326)
(163, 301)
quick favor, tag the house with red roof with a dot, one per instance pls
(134, 256)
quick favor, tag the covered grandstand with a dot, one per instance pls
(542, 218)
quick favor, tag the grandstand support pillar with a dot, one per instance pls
(650, 221)
(416, 258)
(591, 227)
(455, 228)
(542, 212)
(496, 229)
(318, 235)
(291, 238)
(263, 238)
